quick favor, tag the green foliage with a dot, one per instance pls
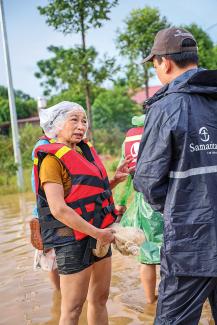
(29, 135)
(206, 49)
(25, 105)
(8, 166)
(4, 110)
(108, 141)
(79, 16)
(3, 92)
(75, 94)
(76, 15)
(114, 164)
(114, 109)
(136, 40)
(66, 69)
(72, 95)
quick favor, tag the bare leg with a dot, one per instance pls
(98, 293)
(148, 279)
(74, 289)
(55, 279)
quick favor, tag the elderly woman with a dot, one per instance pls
(75, 207)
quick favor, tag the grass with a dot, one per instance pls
(12, 186)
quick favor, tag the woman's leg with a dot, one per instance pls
(55, 279)
(148, 279)
(74, 289)
(98, 292)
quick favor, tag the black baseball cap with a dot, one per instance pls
(170, 41)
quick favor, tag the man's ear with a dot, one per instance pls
(166, 65)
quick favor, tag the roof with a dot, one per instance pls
(140, 96)
(33, 119)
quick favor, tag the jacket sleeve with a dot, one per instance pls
(154, 158)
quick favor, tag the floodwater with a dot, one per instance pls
(26, 296)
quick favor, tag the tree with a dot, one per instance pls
(25, 105)
(64, 70)
(136, 40)
(113, 108)
(206, 49)
(8, 166)
(79, 16)
(28, 137)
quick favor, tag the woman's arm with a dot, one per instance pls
(55, 198)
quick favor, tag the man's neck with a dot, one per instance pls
(179, 71)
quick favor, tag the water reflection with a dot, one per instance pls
(26, 296)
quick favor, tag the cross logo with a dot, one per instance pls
(204, 135)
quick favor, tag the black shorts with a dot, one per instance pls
(70, 258)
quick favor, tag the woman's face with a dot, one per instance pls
(74, 128)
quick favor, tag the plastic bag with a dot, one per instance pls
(140, 215)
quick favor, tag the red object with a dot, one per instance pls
(131, 144)
(140, 96)
(89, 181)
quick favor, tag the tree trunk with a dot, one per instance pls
(86, 83)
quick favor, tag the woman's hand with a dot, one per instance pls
(105, 236)
(119, 210)
(122, 172)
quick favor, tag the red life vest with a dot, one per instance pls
(131, 144)
(90, 195)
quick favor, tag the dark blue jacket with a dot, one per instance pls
(177, 172)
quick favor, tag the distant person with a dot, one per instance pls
(75, 206)
(42, 260)
(177, 173)
(140, 214)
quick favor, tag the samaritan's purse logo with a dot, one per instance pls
(134, 149)
(204, 136)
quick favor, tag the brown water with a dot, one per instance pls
(26, 296)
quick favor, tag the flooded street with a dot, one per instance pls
(26, 296)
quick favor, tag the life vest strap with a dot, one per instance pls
(91, 199)
(51, 224)
(87, 180)
(45, 211)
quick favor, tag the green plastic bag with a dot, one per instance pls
(139, 214)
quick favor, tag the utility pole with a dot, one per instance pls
(13, 113)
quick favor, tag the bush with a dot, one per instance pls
(29, 135)
(113, 109)
(8, 166)
(108, 141)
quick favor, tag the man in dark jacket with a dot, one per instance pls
(177, 173)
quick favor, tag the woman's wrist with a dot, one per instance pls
(113, 182)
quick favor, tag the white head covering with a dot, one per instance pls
(53, 118)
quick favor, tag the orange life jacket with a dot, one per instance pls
(90, 195)
(131, 144)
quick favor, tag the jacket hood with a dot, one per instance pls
(138, 120)
(202, 82)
